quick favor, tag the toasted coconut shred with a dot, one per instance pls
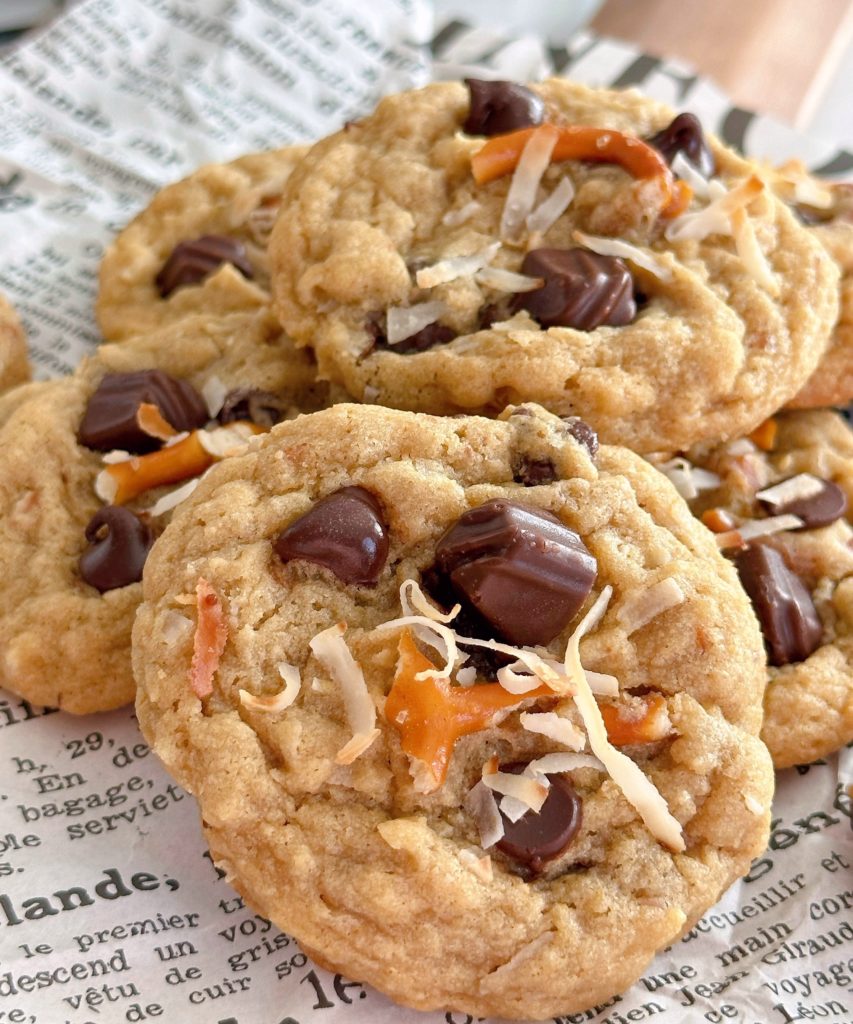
(521, 197)
(752, 528)
(688, 480)
(507, 280)
(616, 247)
(214, 392)
(804, 485)
(276, 702)
(455, 267)
(527, 952)
(549, 211)
(332, 652)
(479, 864)
(403, 321)
(480, 803)
(641, 607)
(550, 724)
(527, 789)
(173, 498)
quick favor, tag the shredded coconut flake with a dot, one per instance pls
(404, 321)
(641, 607)
(688, 172)
(752, 805)
(616, 247)
(601, 684)
(436, 635)
(480, 865)
(453, 218)
(637, 789)
(466, 676)
(480, 803)
(530, 791)
(507, 280)
(532, 164)
(276, 702)
(746, 243)
(414, 601)
(752, 528)
(331, 650)
(115, 456)
(715, 218)
(223, 441)
(804, 485)
(687, 479)
(456, 266)
(527, 952)
(555, 764)
(106, 487)
(549, 211)
(213, 392)
(552, 725)
(175, 626)
(173, 498)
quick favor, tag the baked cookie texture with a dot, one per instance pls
(62, 642)
(808, 705)
(236, 201)
(376, 877)
(832, 381)
(710, 353)
(14, 363)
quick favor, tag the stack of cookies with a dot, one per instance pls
(438, 471)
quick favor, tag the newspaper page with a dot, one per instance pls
(110, 907)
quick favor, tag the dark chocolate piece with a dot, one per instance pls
(537, 838)
(582, 289)
(821, 509)
(684, 135)
(498, 107)
(789, 620)
(344, 532)
(583, 433)
(110, 418)
(521, 568)
(262, 408)
(534, 472)
(191, 262)
(119, 543)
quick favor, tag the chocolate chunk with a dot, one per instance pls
(684, 135)
(537, 838)
(344, 532)
(119, 543)
(521, 568)
(498, 107)
(110, 418)
(191, 262)
(582, 289)
(533, 472)
(583, 433)
(821, 509)
(788, 617)
(262, 408)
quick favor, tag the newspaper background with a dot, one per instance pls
(104, 107)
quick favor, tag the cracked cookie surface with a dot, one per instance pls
(371, 869)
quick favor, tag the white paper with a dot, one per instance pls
(110, 909)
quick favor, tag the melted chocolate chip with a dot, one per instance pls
(533, 472)
(110, 418)
(119, 543)
(821, 509)
(582, 289)
(191, 262)
(498, 107)
(684, 135)
(788, 617)
(521, 568)
(537, 838)
(583, 433)
(344, 532)
(262, 408)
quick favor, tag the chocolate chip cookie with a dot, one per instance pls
(434, 265)
(780, 504)
(199, 247)
(90, 468)
(360, 648)
(14, 364)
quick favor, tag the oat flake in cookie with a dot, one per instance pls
(90, 469)
(565, 262)
(198, 247)
(367, 721)
(14, 364)
(781, 504)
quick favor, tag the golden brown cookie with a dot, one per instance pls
(659, 323)
(198, 247)
(347, 763)
(71, 561)
(14, 364)
(799, 574)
